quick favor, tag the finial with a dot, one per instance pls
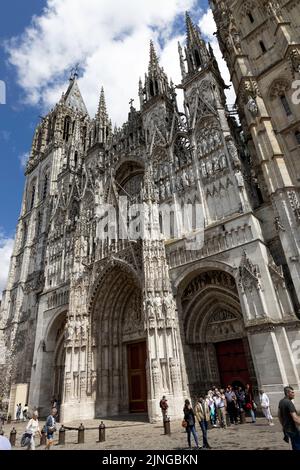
(153, 56)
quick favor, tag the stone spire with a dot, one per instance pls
(192, 33)
(196, 52)
(102, 121)
(181, 61)
(102, 115)
(153, 63)
(156, 81)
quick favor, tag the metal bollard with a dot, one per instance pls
(62, 436)
(81, 434)
(101, 432)
(8, 419)
(12, 437)
(167, 426)
(242, 417)
(43, 438)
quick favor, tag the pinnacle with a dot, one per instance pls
(102, 112)
(153, 56)
(191, 30)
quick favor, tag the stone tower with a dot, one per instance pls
(201, 289)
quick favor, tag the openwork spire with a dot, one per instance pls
(193, 33)
(153, 64)
(102, 111)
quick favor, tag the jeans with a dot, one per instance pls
(253, 417)
(204, 426)
(192, 430)
(295, 439)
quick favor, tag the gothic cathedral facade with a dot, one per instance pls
(109, 324)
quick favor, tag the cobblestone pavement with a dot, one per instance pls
(133, 434)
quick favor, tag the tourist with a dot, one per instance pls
(231, 401)
(164, 407)
(189, 417)
(250, 404)
(265, 406)
(25, 411)
(32, 428)
(289, 418)
(202, 413)
(50, 428)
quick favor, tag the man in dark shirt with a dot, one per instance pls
(288, 417)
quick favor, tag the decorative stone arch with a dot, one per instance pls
(116, 319)
(211, 318)
(50, 360)
(104, 271)
(279, 87)
(187, 273)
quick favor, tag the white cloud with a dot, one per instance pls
(23, 158)
(6, 247)
(110, 41)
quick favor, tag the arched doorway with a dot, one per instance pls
(53, 367)
(119, 343)
(215, 340)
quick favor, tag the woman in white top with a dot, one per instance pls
(33, 428)
(265, 406)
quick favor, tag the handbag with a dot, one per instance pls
(184, 423)
(254, 405)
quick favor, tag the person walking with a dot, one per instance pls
(189, 417)
(25, 411)
(202, 413)
(33, 428)
(18, 412)
(50, 428)
(164, 407)
(265, 406)
(289, 418)
(250, 405)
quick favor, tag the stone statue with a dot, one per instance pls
(252, 106)
(157, 305)
(70, 329)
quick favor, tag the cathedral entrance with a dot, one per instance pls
(119, 343)
(232, 363)
(216, 344)
(137, 385)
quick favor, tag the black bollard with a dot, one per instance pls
(62, 436)
(8, 419)
(12, 437)
(43, 438)
(167, 426)
(242, 417)
(81, 434)
(101, 432)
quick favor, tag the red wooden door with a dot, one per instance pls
(136, 354)
(232, 362)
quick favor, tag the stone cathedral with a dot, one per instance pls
(109, 324)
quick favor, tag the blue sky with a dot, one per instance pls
(17, 121)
